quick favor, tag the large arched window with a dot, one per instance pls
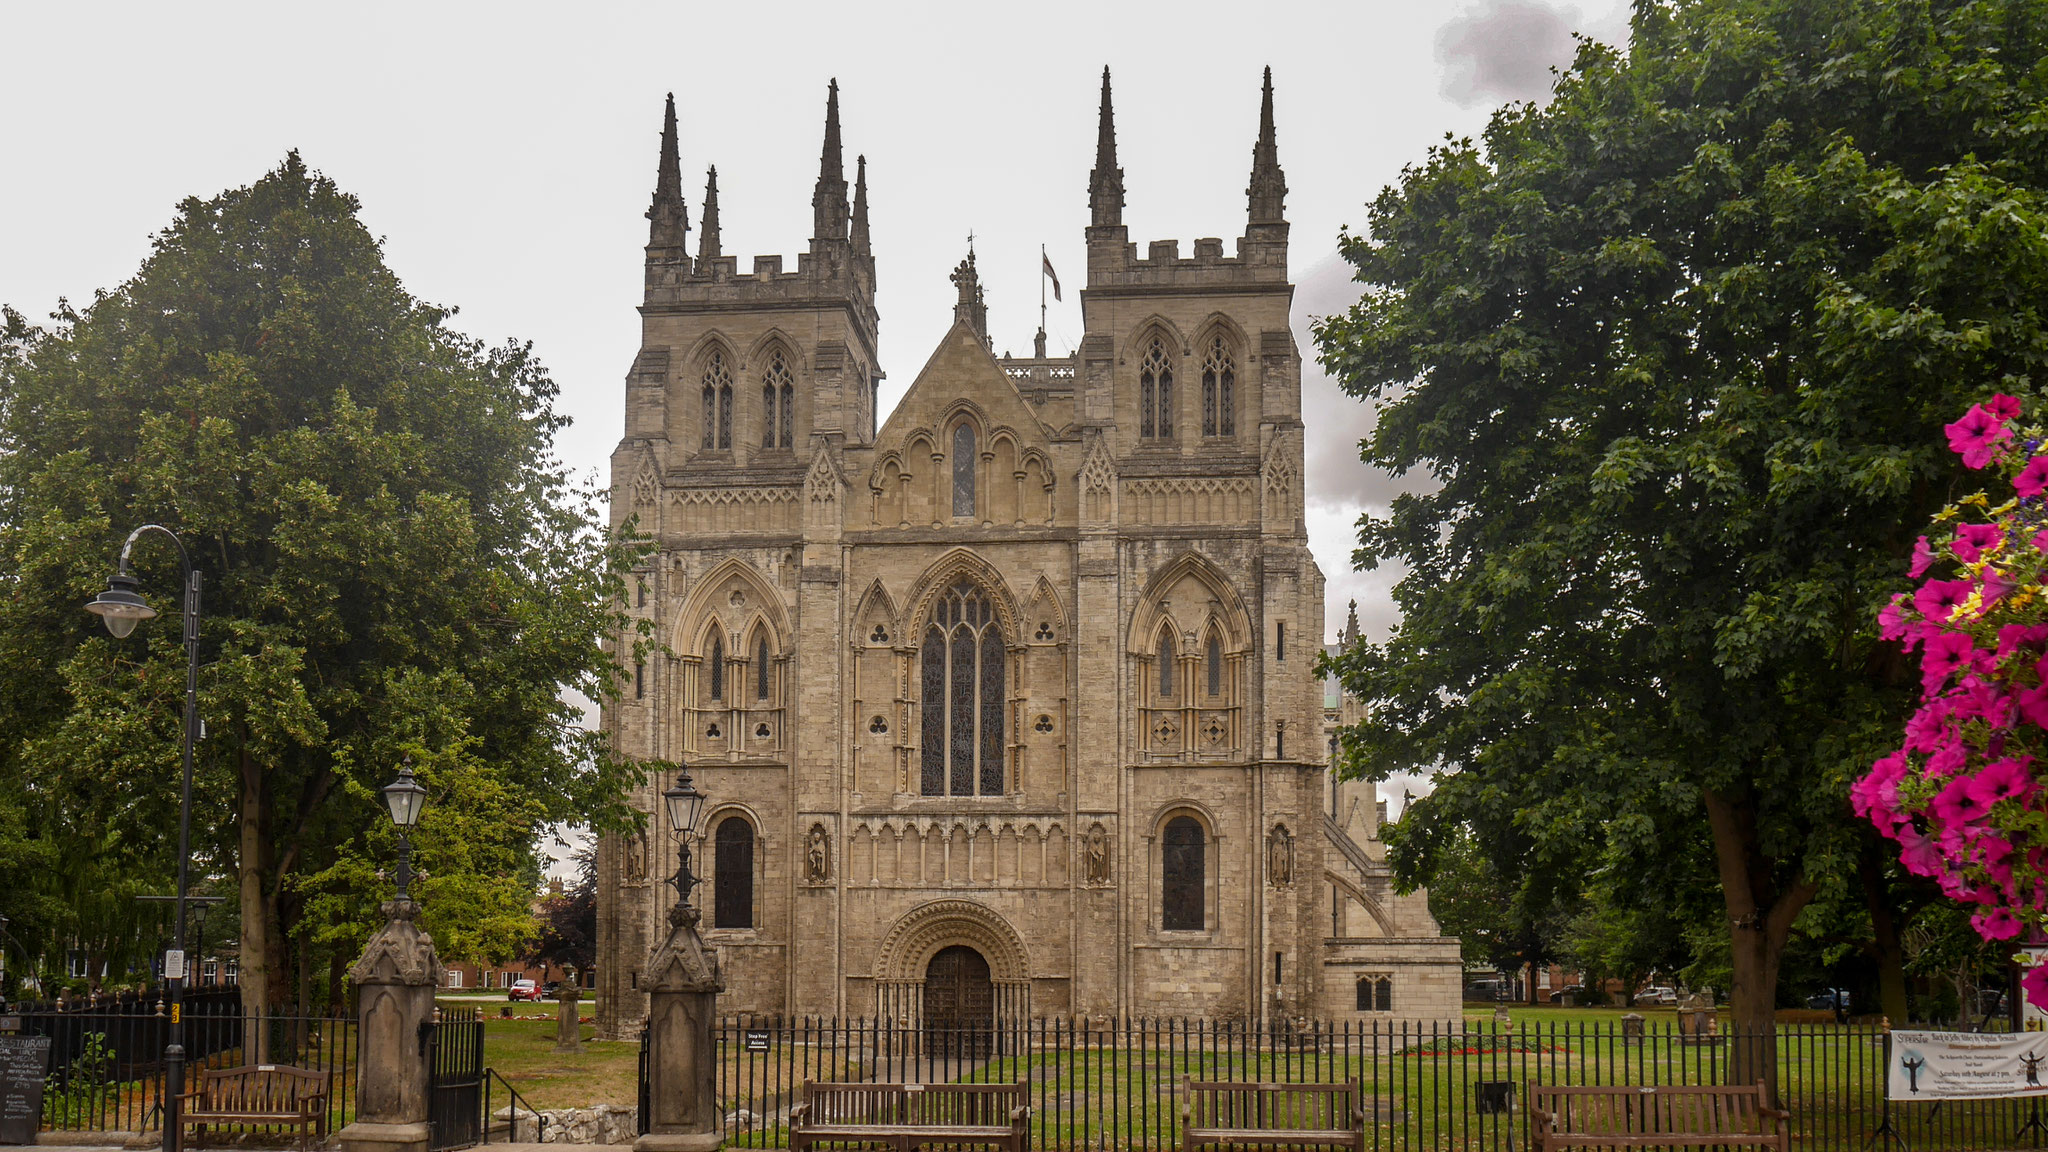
(1182, 868)
(1219, 391)
(778, 403)
(963, 469)
(960, 673)
(732, 871)
(1155, 393)
(717, 402)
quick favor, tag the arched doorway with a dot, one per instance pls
(959, 1005)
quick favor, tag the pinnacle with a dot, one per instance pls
(707, 238)
(669, 217)
(1106, 182)
(1267, 193)
(828, 201)
(830, 164)
(860, 206)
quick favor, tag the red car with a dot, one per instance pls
(523, 990)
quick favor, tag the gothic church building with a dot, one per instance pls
(1006, 706)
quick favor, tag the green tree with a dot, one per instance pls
(394, 564)
(1677, 347)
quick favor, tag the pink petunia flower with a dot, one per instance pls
(1957, 805)
(2032, 704)
(2006, 779)
(2014, 638)
(2003, 407)
(1973, 540)
(1923, 557)
(1917, 853)
(1976, 436)
(1997, 924)
(1946, 654)
(1937, 599)
(2033, 478)
(1925, 729)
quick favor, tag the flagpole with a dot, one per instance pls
(1043, 260)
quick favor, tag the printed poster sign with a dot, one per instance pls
(1967, 1065)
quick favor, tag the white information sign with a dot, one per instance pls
(174, 964)
(1967, 1065)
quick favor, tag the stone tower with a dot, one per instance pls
(1006, 707)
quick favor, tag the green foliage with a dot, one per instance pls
(394, 565)
(80, 1096)
(1676, 350)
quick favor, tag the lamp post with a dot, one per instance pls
(395, 981)
(682, 996)
(122, 608)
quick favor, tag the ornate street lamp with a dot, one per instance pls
(405, 797)
(122, 608)
(685, 804)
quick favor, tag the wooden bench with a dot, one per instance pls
(903, 1116)
(271, 1095)
(1659, 1116)
(1236, 1112)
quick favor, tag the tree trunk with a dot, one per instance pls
(1890, 952)
(256, 944)
(1760, 915)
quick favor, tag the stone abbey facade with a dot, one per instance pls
(1005, 706)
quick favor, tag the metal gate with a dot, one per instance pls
(455, 1073)
(646, 1115)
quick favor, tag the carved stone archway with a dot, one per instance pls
(926, 930)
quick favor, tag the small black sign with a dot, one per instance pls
(23, 1060)
(757, 1040)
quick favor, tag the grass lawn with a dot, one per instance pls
(523, 1052)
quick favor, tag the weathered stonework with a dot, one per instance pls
(963, 678)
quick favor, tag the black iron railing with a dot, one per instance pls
(1428, 1086)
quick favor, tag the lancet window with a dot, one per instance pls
(778, 403)
(1219, 391)
(1212, 661)
(717, 402)
(1167, 658)
(717, 662)
(961, 680)
(1155, 393)
(963, 470)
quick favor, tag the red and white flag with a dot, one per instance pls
(1047, 260)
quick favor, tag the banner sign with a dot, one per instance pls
(1967, 1065)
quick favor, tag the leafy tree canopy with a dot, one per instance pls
(1677, 348)
(394, 564)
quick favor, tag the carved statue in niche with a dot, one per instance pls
(1095, 862)
(818, 857)
(634, 851)
(1280, 856)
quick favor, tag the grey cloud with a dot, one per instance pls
(1504, 50)
(1335, 477)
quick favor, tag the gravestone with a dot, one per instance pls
(23, 1062)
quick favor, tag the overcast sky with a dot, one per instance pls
(505, 152)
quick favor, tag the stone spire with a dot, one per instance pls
(828, 202)
(971, 307)
(1350, 634)
(860, 206)
(669, 217)
(707, 237)
(1268, 190)
(1106, 182)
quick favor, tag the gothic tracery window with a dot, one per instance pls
(761, 666)
(732, 869)
(1155, 393)
(1375, 993)
(961, 681)
(717, 662)
(1219, 391)
(963, 470)
(717, 402)
(1182, 869)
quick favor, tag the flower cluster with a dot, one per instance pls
(1960, 796)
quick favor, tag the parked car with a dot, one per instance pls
(549, 989)
(1829, 1000)
(523, 990)
(1569, 995)
(1661, 994)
